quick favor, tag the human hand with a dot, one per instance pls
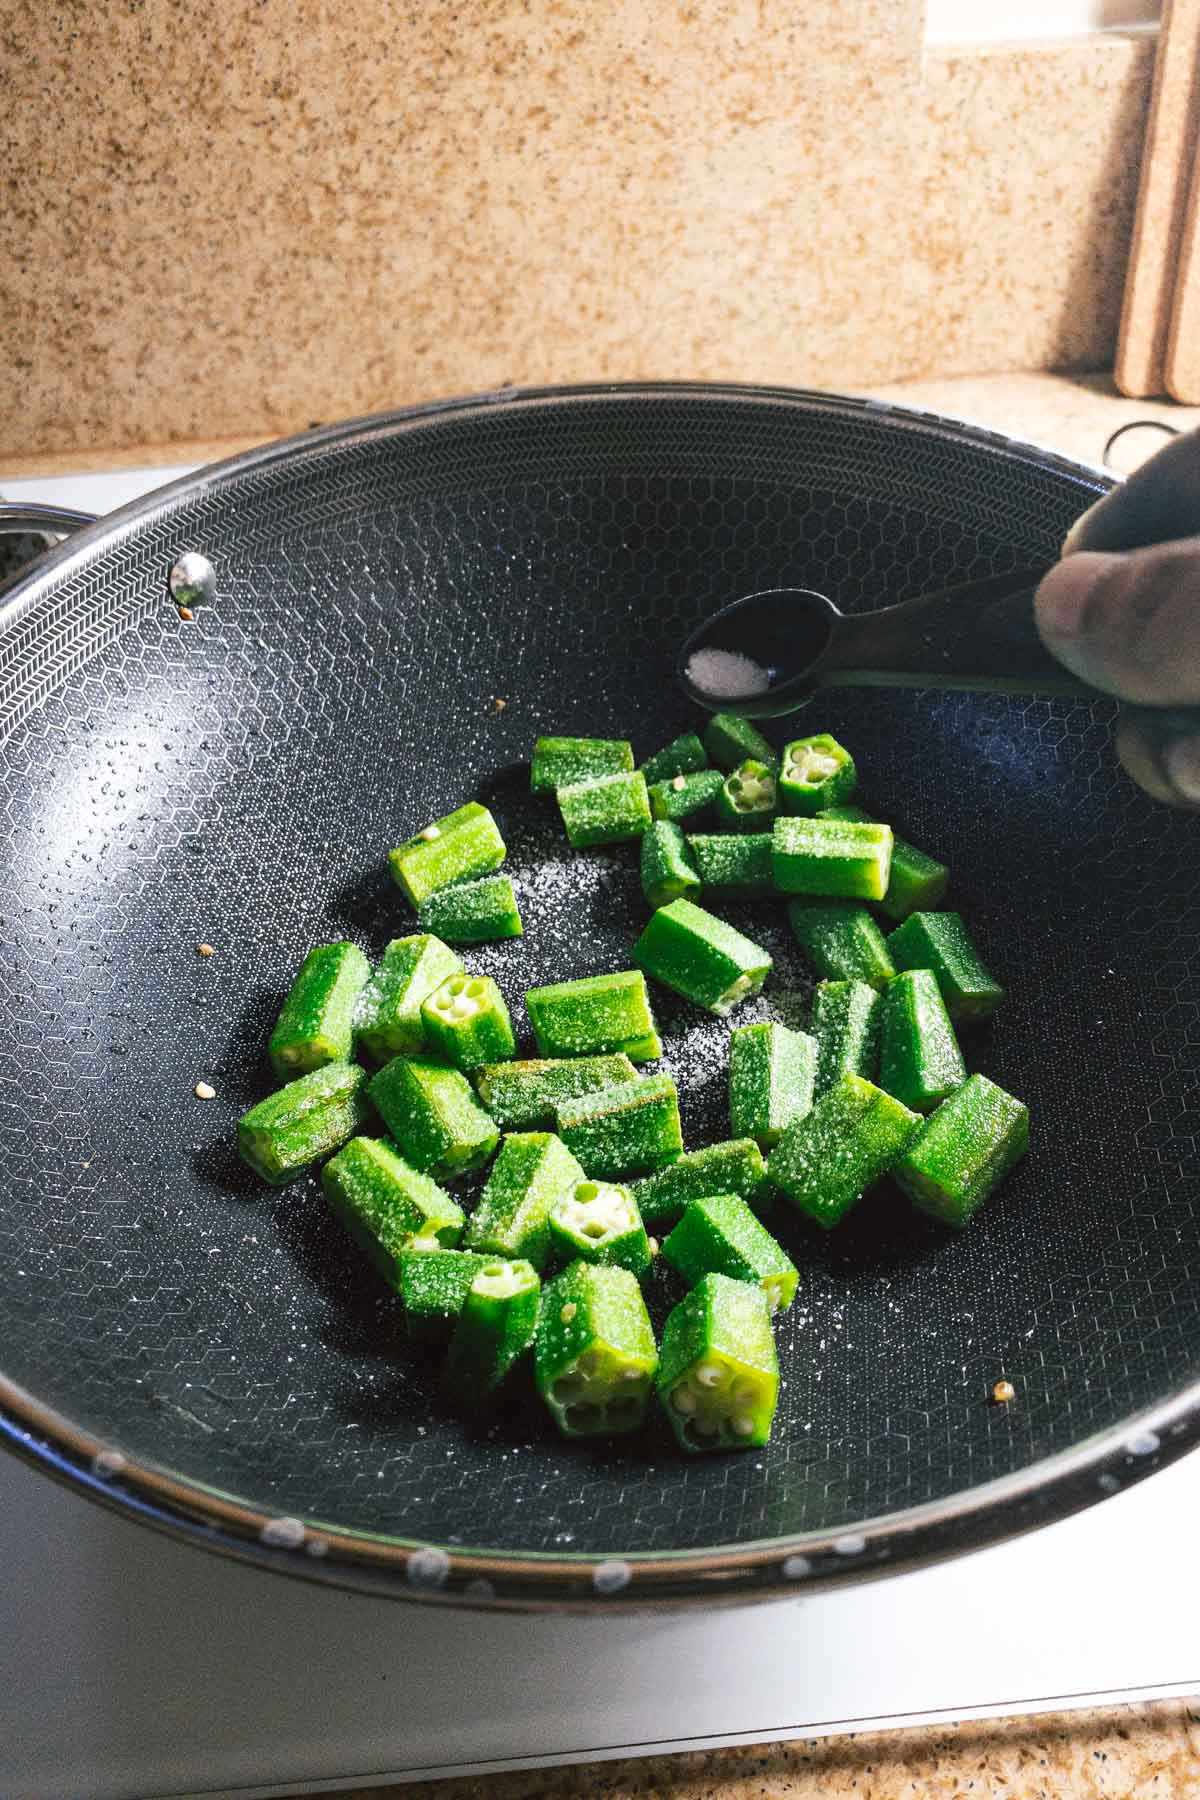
(1122, 611)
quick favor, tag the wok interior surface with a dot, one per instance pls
(239, 781)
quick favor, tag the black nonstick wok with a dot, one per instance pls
(402, 605)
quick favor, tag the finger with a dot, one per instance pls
(1163, 755)
(1159, 501)
(1128, 624)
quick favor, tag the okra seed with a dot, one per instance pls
(587, 1190)
(594, 1229)
(709, 1375)
(631, 1375)
(568, 1312)
(683, 1399)
(204, 1092)
(744, 1393)
(743, 1424)
(204, 950)
(430, 834)
(1003, 1392)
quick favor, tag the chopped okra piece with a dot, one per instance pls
(562, 761)
(824, 1162)
(524, 1096)
(683, 795)
(473, 912)
(941, 942)
(917, 881)
(467, 1022)
(532, 1172)
(845, 1023)
(433, 1285)
(625, 1130)
(600, 1222)
(316, 1024)
(433, 1115)
(718, 1374)
(608, 811)
(388, 1021)
(701, 957)
(594, 1357)
(466, 842)
(964, 1151)
(733, 867)
(746, 801)
(493, 1330)
(841, 941)
(667, 867)
(684, 755)
(594, 1014)
(920, 1062)
(719, 1232)
(817, 773)
(771, 1075)
(385, 1204)
(831, 856)
(730, 740)
(735, 1167)
(309, 1118)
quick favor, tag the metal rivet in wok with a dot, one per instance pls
(192, 580)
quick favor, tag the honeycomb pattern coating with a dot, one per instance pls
(239, 781)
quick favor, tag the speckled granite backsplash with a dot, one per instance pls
(242, 217)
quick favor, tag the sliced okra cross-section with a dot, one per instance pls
(562, 761)
(917, 881)
(817, 773)
(493, 1331)
(524, 1096)
(668, 871)
(684, 755)
(481, 911)
(433, 1286)
(941, 942)
(465, 842)
(719, 1232)
(964, 1151)
(832, 857)
(731, 740)
(733, 1167)
(625, 1130)
(701, 957)
(309, 1118)
(433, 1114)
(533, 1170)
(594, 1354)
(682, 795)
(610, 810)
(316, 1023)
(845, 1023)
(825, 1161)
(467, 1022)
(594, 1015)
(747, 799)
(385, 1204)
(920, 1062)
(388, 1021)
(841, 941)
(718, 1373)
(771, 1074)
(733, 866)
(599, 1221)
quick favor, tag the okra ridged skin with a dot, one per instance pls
(464, 843)
(719, 1234)
(624, 1130)
(845, 1023)
(667, 869)
(842, 941)
(595, 1015)
(533, 1170)
(684, 795)
(433, 1286)
(482, 911)
(599, 1222)
(920, 1062)
(388, 1017)
(594, 1355)
(771, 1075)
(733, 866)
(966, 1149)
(432, 1113)
(701, 957)
(825, 1162)
(384, 1203)
(563, 761)
(940, 941)
(316, 1023)
(493, 1331)
(610, 810)
(467, 1022)
(309, 1118)
(718, 1372)
(747, 799)
(817, 774)
(730, 740)
(525, 1095)
(684, 755)
(917, 881)
(733, 1167)
(831, 858)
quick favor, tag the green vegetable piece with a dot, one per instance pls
(563, 761)
(595, 1014)
(734, 1167)
(667, 867)
(684, 795)
(316, 1025)
(734, 868)
(466, 842)
(388, 1021)
(433, 1285)
(532, 1172)
(594, 1357)
(920, 1062)
(684, 755)
(747, 798)
(720, 1233)
(608, 811)
(964, 1151)
(524, 1096)
(845, 1023)
(492, 1332)
(718, 1374)
(309, 1118)
(624, 1130)
(730, 740)
(841, 941)
(830, 856)
(917, 882)
(771, 1075)
(433, 1115)
(467, 1022)
(473, 912)
(384, 1204)
(817, 773)
(701, 957)
(824, 1162)
(600, 1222)
(941, 942)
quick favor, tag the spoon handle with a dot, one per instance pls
(978, 635)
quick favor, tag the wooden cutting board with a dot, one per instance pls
(1183, 340)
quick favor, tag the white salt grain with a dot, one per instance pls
(726, 675)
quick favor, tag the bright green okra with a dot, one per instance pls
(388, 1020)
(467, 1022)
(841, 941)
(594, 1015)
(594, 1353)
(719, 1232)
(684, 795)
(434, 1116)
(532, 1172)
(608, 811)
(624, 1130)
(845, 1023)
(599, 1221)
(464, 843)
(718, 1372)
(433, 1286)
(771, 1076)
(385, 1204)
(817, 773)
(701, 957)
(920, 1062)
(825, 1161)
(473, 912)
(941, 942)
(668, 871)
(309, 1118)
(316, 1023)
(563, 761)
(684, 755)
(525, 1096)
(731, 740)
(747, 799)
(493, 1331)
(733, 1167)
(732, 866)
(831, 857)
(964, 1151)
(917, 882)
